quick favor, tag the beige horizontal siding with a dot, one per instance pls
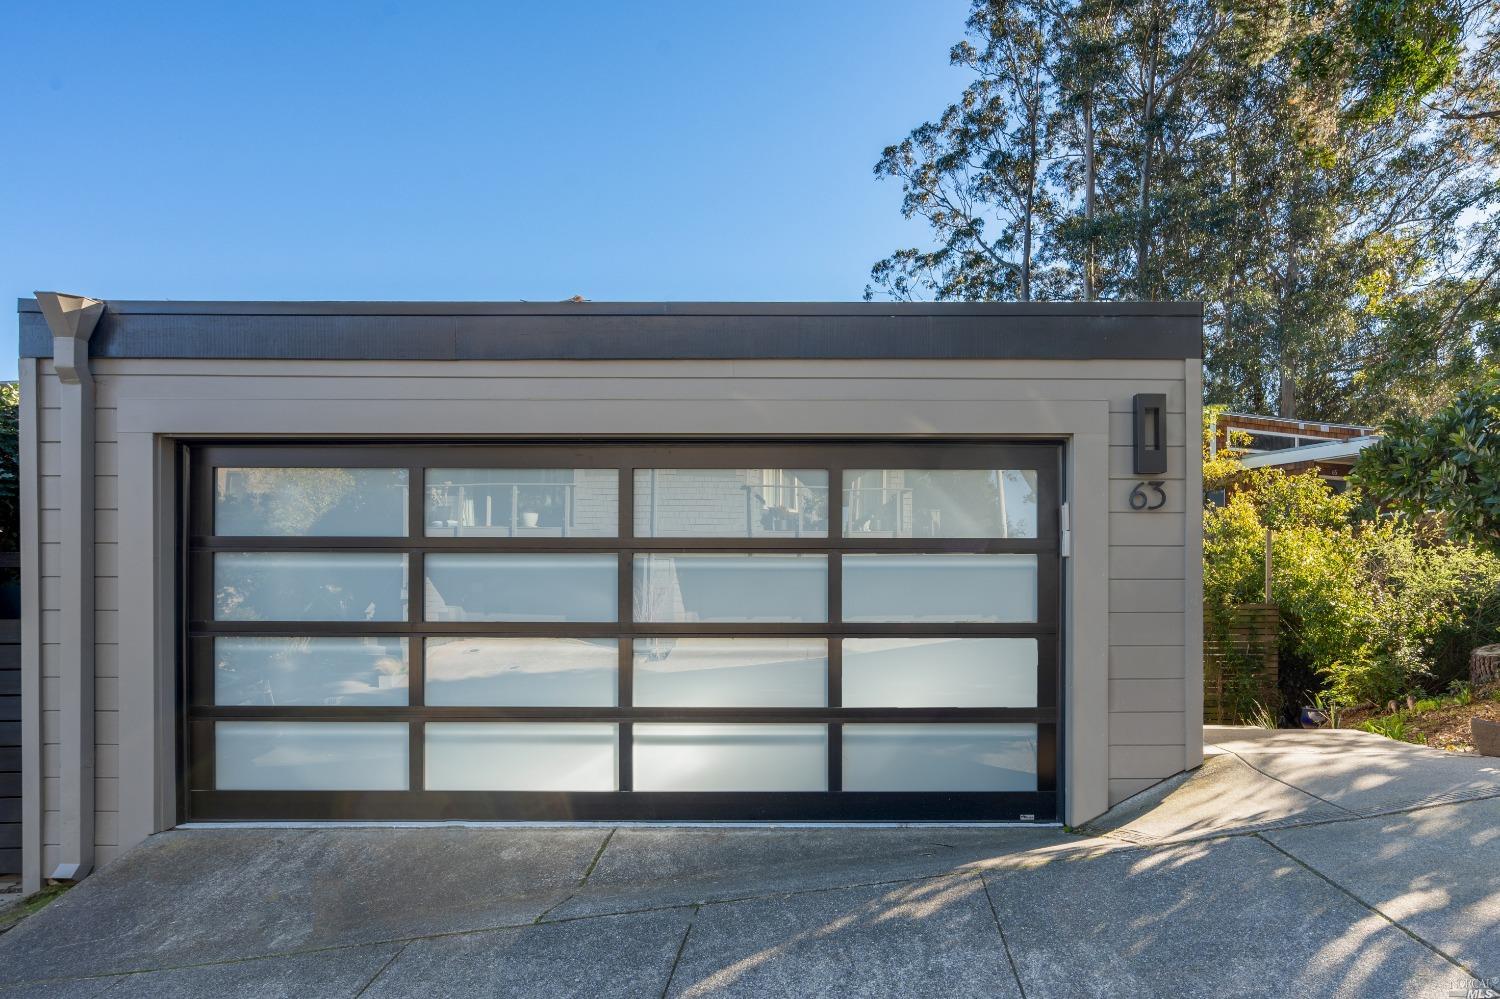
(1146, 662)
(1145, 761)
(1145, 562)
(1146, 595)
(1134, 694)
(107, 660)
(1144, 728)
(1146, 629)
(1121, 788)
(1153, 528)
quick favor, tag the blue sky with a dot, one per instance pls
(459, 151)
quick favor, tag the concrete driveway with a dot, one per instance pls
(1320, 864)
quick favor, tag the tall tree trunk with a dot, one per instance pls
(1089, 290)
(1286, 309)
(1030, 215)
(1026, 255)
(1143, 206)
(1236, 257)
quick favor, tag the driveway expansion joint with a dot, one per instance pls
(1141, 841)
(1005, 944)
(1283, 783)
(681, 948)
(1367, 906)
(598, 855)
(381, 970)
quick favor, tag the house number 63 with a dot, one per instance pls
(1140, 499)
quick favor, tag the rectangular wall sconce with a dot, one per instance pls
(1150, 433)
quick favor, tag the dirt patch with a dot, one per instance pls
(1445, 727)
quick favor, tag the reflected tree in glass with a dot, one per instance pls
(298, 586)
(302, 502)
(940, 503)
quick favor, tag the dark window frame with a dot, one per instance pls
(201, 802)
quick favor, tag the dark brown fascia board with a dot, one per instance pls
(179, 308)
(634, 330)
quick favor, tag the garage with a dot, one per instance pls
(718, 630)
(393, 562)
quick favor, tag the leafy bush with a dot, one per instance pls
(1374, 608)
(1448, 466)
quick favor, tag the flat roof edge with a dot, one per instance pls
(408, 308)
(731, 331)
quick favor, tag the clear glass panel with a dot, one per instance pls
(731, 503)
(523, 672)
(349, 671)
(523, 502)
(674, 757)
(955, 757)
(939, 503)
(521, 756)
(521, 587)
(940, 672)
(731, 672)
(760, 587)
(309, 586)
(310, 756)
(975, 588)
(310, 502)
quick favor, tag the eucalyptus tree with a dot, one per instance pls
(975, 175)
(1321, 174)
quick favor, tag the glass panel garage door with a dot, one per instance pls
(654, 631)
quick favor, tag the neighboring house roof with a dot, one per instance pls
(1287, 425)
(1339, 452)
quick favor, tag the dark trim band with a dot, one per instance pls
(457, 331)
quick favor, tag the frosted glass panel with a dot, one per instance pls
(521, 587)
(684, 588)
(309, 586)
(975, 588)
(939, 503)
(523, 672)
(731, 672)
(523, 502)
(310, 756)
(521, 756)
(310, 671)
(731, 503)
(939, 757)
(310, 502)
(940, 672)
(673, 757)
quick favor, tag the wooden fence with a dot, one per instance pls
(1241, 667)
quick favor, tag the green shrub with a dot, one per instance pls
(1447, 465)
(1390, 726)
(1374, 608)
